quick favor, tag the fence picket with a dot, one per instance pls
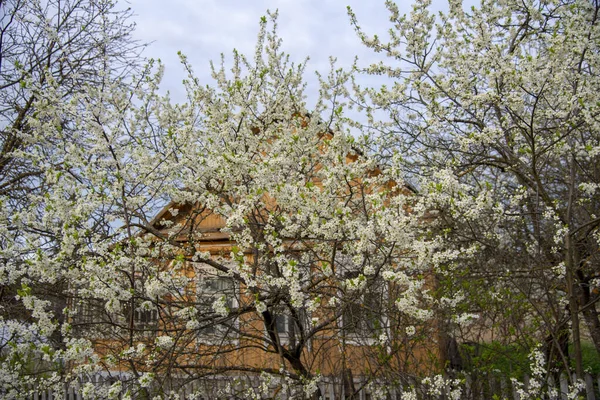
(564, 387)
(589, 387)
(78, 390)
(552, 385)
(515, 393)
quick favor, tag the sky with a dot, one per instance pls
(203, 29)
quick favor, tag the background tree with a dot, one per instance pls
(66, 44)
(51, 53)
(494, 111)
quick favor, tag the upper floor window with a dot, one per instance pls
(88, 311)
(144, 318)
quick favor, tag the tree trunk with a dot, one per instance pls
(590, 314)
(573, 297)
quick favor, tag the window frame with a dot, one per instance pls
(281, 311)
(152, 322)
(222, 331)
(366, 332)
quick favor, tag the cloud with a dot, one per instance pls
(203, 29)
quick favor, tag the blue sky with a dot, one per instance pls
(203, 29)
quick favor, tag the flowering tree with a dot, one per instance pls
(51, 52)
(53, 44)
(494, 111)
(314, 237)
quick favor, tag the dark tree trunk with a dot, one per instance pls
(589, 301)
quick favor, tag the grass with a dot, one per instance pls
(590, 358)
(513, 360)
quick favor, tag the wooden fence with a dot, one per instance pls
(226, 388)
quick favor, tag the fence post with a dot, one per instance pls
(331, 390)
(564, 387)
(504, 391)
(78, 389)
(551, 385)
(394, 393)
(468, 387)
(589, 387)
(515, 393)
(361, 393)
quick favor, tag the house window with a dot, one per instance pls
(216, 298)
(89, 311)
(286, 324)
(145, 320)
(364, 315)
(144, 313)
(145, 317)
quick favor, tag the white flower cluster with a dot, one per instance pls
(438, 384)
(164, 342)
(79, 349)
(145, 380)
(311, 386)
(219, 306)
(536, 386)
(464, 319)
(155, 288)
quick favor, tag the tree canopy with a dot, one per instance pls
(496, 109)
